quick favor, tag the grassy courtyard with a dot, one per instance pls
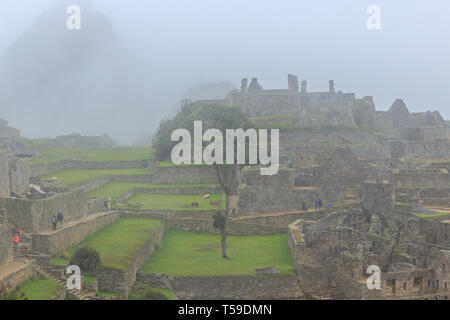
(177, 201)
(35, 289)
(119, 243)
(195, 254)
(74, 177)
(116, 189)
(101, 155)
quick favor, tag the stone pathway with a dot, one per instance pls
(75, 222)
(11, 267)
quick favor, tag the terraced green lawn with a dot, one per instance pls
(195, 254)
(35, 289)
(101, 155)
(432, 216)
(119, 242)
(177, 202)
(74, 177)
(116, 189)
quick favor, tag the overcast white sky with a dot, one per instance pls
(188, 41)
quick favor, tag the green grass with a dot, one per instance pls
(40, 289)
(89, 279)
(116, 189)
(194, 254)
(74, 177)
(432, 216)
(171, 164)
(139, 289)
(58, 261)
(119, 242)
(163, 201)
(101, 155)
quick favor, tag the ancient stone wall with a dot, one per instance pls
(19, 171)
(6, 245)
(283, 179)
(15, 279)
(184, 175)
(230, 287)
(4, 175)
(62, 239)
(259, 200)
(34, 216)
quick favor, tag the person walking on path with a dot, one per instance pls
(60, 218)
(54, 221)
(16, 241)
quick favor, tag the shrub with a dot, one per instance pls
(151, 294)
(87, 258)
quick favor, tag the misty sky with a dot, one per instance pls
(185, 42)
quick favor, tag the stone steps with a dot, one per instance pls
(63, 282)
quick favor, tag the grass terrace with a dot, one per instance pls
(177, 201)
(195, 254)
(116, 189)
(117, 243)
(37, 289)
(437, 215)
(141, 291)
(74, 177)
(100, 155)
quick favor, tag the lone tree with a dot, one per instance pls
(214, 116)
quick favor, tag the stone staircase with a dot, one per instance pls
(22, 253)
(62, 280)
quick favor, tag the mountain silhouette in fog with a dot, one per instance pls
(55, 81)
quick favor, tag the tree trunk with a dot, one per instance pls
(224, 230)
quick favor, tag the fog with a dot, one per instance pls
(133, 60)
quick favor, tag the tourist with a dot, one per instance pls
(54, 222)
(316, 205)
(18, 232)
(304, 206)
(60, 218)
(106, 205)
(16, 241)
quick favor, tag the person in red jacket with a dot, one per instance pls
(16, 241)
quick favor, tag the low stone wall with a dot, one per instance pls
(283, 179)
(93, 184)
(259, 200)
(185, 175)
(4, 175)
(35, 216)
(96, 205)
(112, 280)
(19, 173)
(46, 168)
(6, 245)
(65, 238)
(279, 287)
(15, 279)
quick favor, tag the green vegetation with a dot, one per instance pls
(119, 243)
(432, 216)
(74, 177)
(59, 261)
(194, 254)
(116, 189)
(87, 258)
(34, 289)
(100, 155)
(89, 279)
(141, 291)
(177, 201)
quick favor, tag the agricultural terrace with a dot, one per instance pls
(116, 189)
(117, 243)
(74, 177)
(96, 155)
(178, 202)
(195, 254)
